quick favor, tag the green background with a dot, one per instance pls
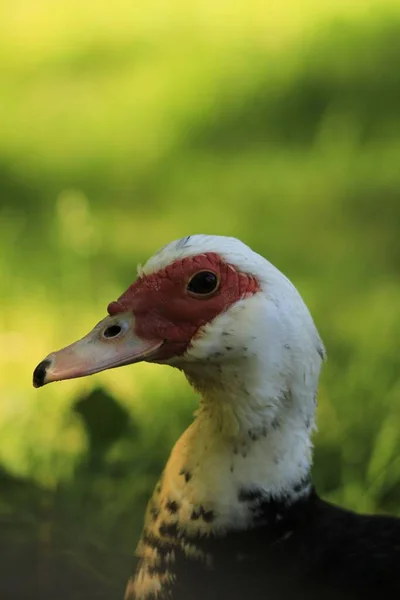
(126, 125)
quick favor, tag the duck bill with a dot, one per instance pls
(112, 343)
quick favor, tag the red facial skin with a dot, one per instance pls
(165, 309)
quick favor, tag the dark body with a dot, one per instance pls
(311, 550)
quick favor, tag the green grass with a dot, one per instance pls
(123, 129)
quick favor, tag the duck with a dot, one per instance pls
(235, 514)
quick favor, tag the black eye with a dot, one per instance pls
(203, 283)
(112, 331)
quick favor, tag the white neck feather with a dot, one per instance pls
(241, 440)
(244, 439)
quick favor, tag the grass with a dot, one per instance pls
(123, 129)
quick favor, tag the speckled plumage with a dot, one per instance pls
(307, 550)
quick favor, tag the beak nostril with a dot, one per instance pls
(112, 331)
(39, 373)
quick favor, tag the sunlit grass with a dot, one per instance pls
(74, 73)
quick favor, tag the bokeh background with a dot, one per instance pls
(125, 125)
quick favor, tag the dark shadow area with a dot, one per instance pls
(37, 562)
(77, 541)
(106, 421)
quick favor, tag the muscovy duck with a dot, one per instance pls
(235, 515)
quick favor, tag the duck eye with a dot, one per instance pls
(203, 283)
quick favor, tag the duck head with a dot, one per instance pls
(220, 312)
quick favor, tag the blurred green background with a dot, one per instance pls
(126, 125)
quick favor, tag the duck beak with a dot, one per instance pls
(112, 343)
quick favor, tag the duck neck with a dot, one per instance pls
(247, 441)
(247, 450)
